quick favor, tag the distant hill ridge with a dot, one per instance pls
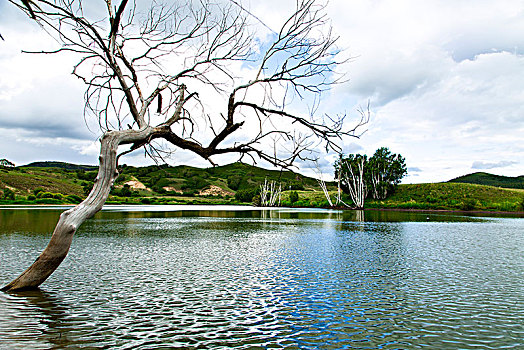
(61, 165)
(478, 178)
(228, 169)
(481, 178)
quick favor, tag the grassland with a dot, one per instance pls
(62, 183)
(453, 196)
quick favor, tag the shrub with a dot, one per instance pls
(431, 199)
(122, 178)
(295, 185)
(159, 189)
(73, 198)
(47, 201)
(246, 195)
(520, 204)
(145, 200)
(45, 195)
(468, 204)
(293, 197)
(323, 204)
(87, 186)
(31, 197)
(125, 191)
(233, 182)
(507, 206)
(86, 175)
(195, 183)
(36, 191)
(9, 194)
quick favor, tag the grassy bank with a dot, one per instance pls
(233, 184)
(452, 196)
(431, 196)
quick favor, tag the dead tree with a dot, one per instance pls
(270, 194)
(224, 90)
(339, 192)
(323, 185)
(350, 171)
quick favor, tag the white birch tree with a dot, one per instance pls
(351, 172)
(270, 194)
(322, 185)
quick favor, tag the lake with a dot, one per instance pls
(234, 277)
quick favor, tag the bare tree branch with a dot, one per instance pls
(220, 88)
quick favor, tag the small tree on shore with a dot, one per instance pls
(384, 172)
(377, 176)
(4, 163)
(170, 72)
(293, 197)
(323, 185)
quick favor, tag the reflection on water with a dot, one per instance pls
(308, 279)
(35, 318)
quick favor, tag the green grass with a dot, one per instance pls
(69, 180)
(452, 196)
(26, 180)
(432, 196)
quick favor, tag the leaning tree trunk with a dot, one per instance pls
(70, 220)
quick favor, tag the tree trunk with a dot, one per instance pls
(70, 220)
(355, 184)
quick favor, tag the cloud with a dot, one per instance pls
(353, 148)
(501, 164)
(38, 94)
(441, 89)
(445, 80)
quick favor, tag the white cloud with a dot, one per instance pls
(443, 90)
(501, 164)
(445, 80)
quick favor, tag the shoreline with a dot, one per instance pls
(448, 211)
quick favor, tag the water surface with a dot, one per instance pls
(201, 277)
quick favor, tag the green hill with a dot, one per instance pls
(51, 182)
(491, 180)
(236, 183)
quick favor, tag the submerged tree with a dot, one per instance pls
(270, 194)
(191, 75)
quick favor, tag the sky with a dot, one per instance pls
(444, 81)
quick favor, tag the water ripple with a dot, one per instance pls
(193, 282)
